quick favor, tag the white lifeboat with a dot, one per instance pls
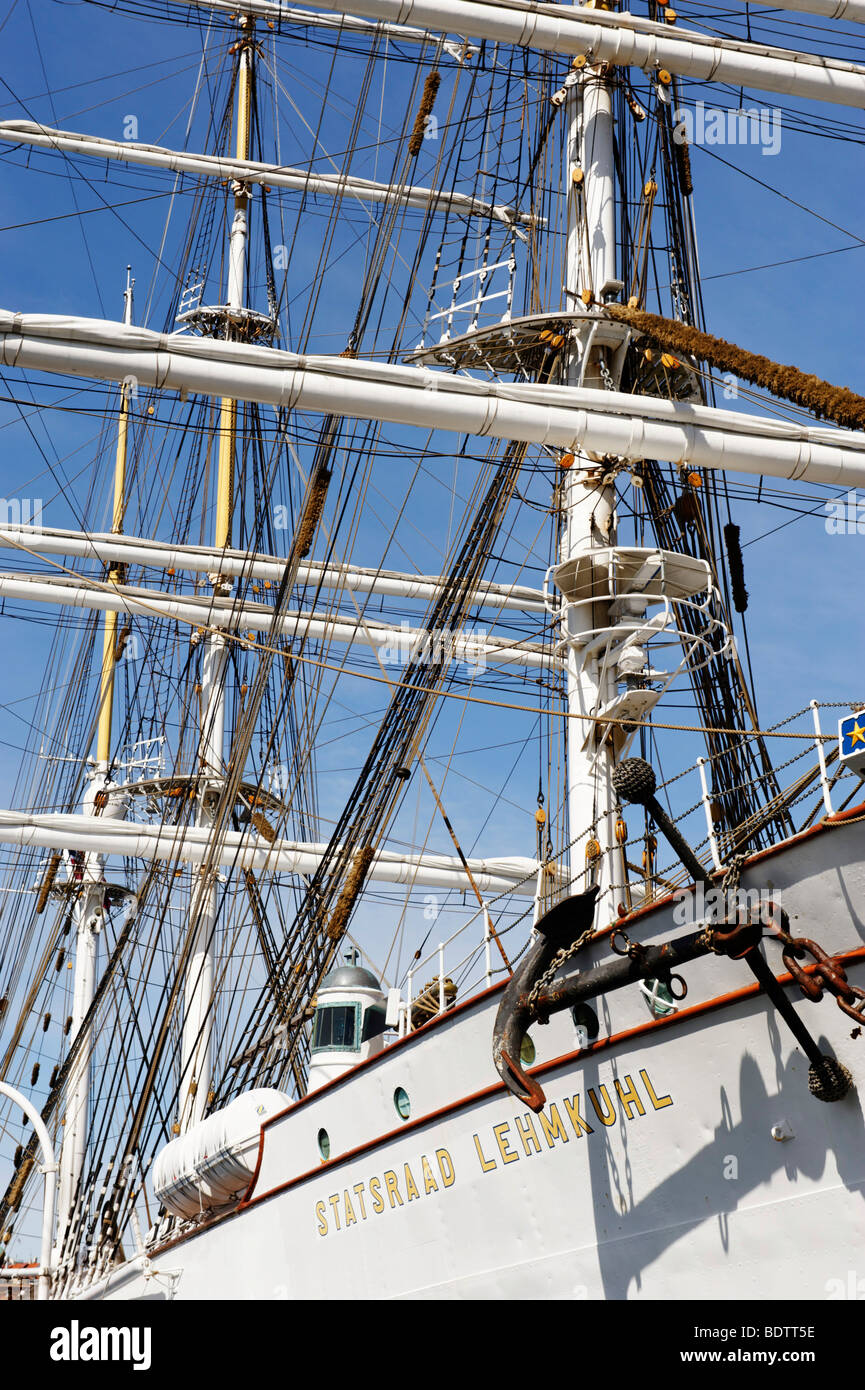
(212, 1164)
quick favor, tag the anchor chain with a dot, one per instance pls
(606, 375)
(558, 960)
(827, 974)
(740, 937)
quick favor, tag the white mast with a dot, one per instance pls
(88, 870)
(589, 505)
(196, 1056)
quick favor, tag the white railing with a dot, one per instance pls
(437, 955)
(659, 877)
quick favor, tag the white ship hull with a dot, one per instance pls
(678, 1159)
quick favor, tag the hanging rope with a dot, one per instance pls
(736, 565)
(427, 102)
(827, 402)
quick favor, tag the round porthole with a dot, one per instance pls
(527, 1051)
(402, 1104)
(324, 1144)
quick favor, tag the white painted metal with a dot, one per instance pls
(88, 925)
(592, 111)
(194, 845)
(49, 1168)
(350, 24)
(255, 172)
(589, 506)
(621, 38)
(707, 807)
(821, 757)
(88, 918)
(196, 1044)
(593, 421)
(475, 649)
(136, 550)
(327, 1063)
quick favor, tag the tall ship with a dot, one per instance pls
(402, 893)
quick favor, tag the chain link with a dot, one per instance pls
(565, 954)
(606, 376)
(729, 884)
(827, 973)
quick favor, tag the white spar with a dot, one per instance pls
(852, 11)
(621, 38)
(113, 548)
(252, 171)
(192, 844)
(475, 649)
(351, 24)
(572, 418)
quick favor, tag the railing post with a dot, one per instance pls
(818, 743)
(441, 978)
(488, 965)
(707, 807)
(408, 1003)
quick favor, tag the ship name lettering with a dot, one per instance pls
(349, 1208)
(509, 1141)
(514, 1139)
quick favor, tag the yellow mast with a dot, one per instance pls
(237, 254)
(109, 637)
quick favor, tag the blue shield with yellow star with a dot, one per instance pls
(851, 741)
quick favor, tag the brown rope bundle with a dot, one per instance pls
(352, 886)
(427, 101)
(827, 402)
(263, 826)
(682, 156)
(311, 515)
(736, 567)
(17, 1185)
(48, 882)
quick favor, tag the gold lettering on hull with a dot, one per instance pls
(349, 1207)
(509, 1141)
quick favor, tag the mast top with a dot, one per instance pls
(127, 296)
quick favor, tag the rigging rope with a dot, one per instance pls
(828, 402)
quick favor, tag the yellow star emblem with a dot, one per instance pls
(857, 734)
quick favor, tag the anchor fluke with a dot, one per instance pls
(558, 929)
